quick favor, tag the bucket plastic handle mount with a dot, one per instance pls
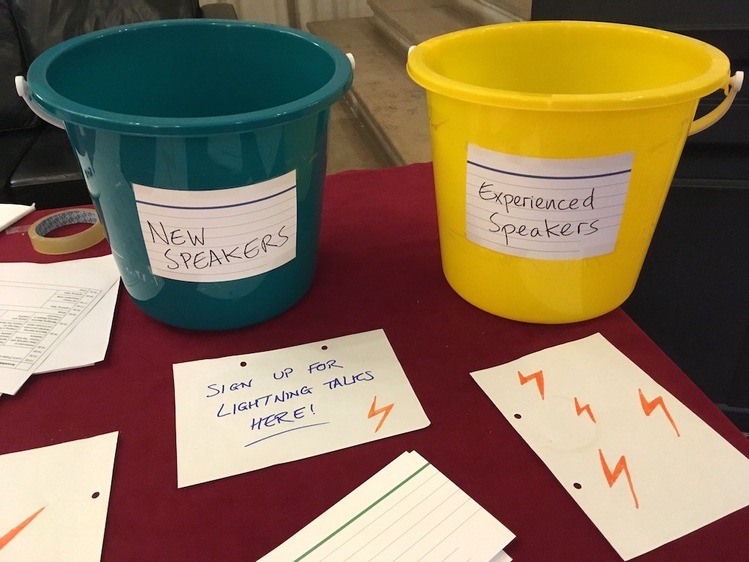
(22, 87)
(732, 88)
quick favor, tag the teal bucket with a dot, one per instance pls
(203, 144)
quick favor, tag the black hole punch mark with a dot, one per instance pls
(517, 416)
(243, 363)
(325, 347)
(95, 495)
(577, 486)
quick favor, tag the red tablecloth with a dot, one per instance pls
(379, 267)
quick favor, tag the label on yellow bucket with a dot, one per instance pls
(222, 234)
(545, 208)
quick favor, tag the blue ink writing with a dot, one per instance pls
(283, 374)
(217, 389)
(347, 380)
(261, 401)
(329, 364)
(278, 418)
(285, 431)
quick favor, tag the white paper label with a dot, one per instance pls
(219, 235)
(544, 208)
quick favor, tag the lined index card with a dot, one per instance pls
(407, 511)
(545, 208)
(221, 234)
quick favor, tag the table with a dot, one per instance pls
(379, 267)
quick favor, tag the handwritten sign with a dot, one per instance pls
(246, 412)
(55, 500)
(222, 234)
(542, 208)
(642, 466)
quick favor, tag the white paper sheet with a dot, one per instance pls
(55, 500)
(243, 413)
(642, 466)
(41, 305)
(407, 511)
(9, 213)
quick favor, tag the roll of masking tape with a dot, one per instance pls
(57, 245)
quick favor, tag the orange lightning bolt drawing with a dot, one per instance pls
(580, 409)
(10, 535)
(538, 376)
(649, 405)
(374, 410)
(611, 477)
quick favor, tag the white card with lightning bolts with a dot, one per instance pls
(644, 468)
(247, 412)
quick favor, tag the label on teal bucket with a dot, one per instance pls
(222, 234)
(545, 208)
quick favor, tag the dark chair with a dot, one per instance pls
(37, 163)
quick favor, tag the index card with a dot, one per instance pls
(642, 466)
(407, 511)
(55, 500)
(221, 234)
(246, 412)
(545, 208)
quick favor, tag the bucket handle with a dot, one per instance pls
(22, 87)
(731, 89)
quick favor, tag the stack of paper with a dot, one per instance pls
(47, 311)
(407, 511)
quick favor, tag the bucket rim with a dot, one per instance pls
(715, 78)
(71, 112)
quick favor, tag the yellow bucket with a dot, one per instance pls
(554, 144)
